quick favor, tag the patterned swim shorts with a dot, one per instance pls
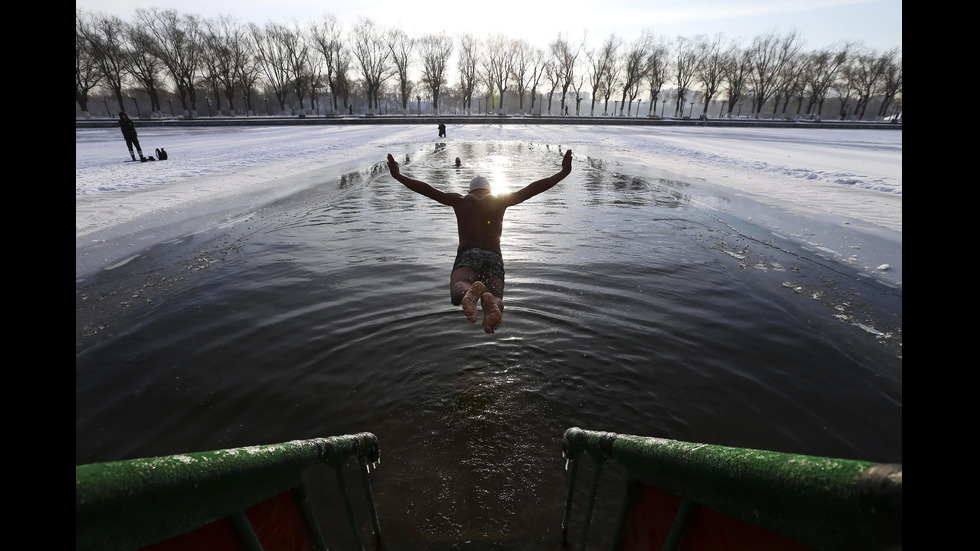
(484, 261)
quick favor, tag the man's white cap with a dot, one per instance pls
(479, 182)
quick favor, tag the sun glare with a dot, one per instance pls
(499, 165)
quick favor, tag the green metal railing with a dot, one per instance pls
(134, 503)
(820, 502)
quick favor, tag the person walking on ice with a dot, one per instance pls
(478, 271)
(128, 128)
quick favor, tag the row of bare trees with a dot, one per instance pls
(163, 52)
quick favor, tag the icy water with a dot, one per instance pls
(631, 307)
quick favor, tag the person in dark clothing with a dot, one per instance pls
(129, 132)
(442, 130)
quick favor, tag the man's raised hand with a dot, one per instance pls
(393, 166)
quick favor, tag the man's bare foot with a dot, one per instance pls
(492, 315)
(469, 301)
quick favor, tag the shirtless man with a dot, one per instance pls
(478, 272)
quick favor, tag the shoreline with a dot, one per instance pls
(316, 120)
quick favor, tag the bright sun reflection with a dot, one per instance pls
(498, 174)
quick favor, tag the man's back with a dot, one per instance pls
(480, 219)
(479, 214)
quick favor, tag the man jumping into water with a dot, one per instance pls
(478, 272)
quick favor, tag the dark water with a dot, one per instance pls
(629, 308)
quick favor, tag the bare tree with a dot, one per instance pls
(537, 73)
(315, 74)
(824, 69)
(145, 68)
(373, 58)
(634, 68)
(272, 53)
(600, 64)
(790, 82)
(211, 62)
(658, 64)
(298, 46)
(685, 67)
(769, 53)
(344, 84)
(326, 36)
(891, 85)
(402, 48)
(104, 35)
(577, 86)
(224, 39)
(868, 71)
(500, 59)
(709, 68)
(163, 50)
(552, 74)
(178, 44)
(466, 66)
(526, 64)
(247, 69)
(435, 50)
(800, 87)
(736, 68)
(565, 55)
(87, 72)
(486, 76)
(609, 81)
(847, 88)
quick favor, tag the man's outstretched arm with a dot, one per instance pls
(418, 186)
(545, 184)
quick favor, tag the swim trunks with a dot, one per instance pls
(484, 261)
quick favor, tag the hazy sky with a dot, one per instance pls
(821, 23)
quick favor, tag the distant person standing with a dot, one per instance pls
(442, 130)
(129, 132)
